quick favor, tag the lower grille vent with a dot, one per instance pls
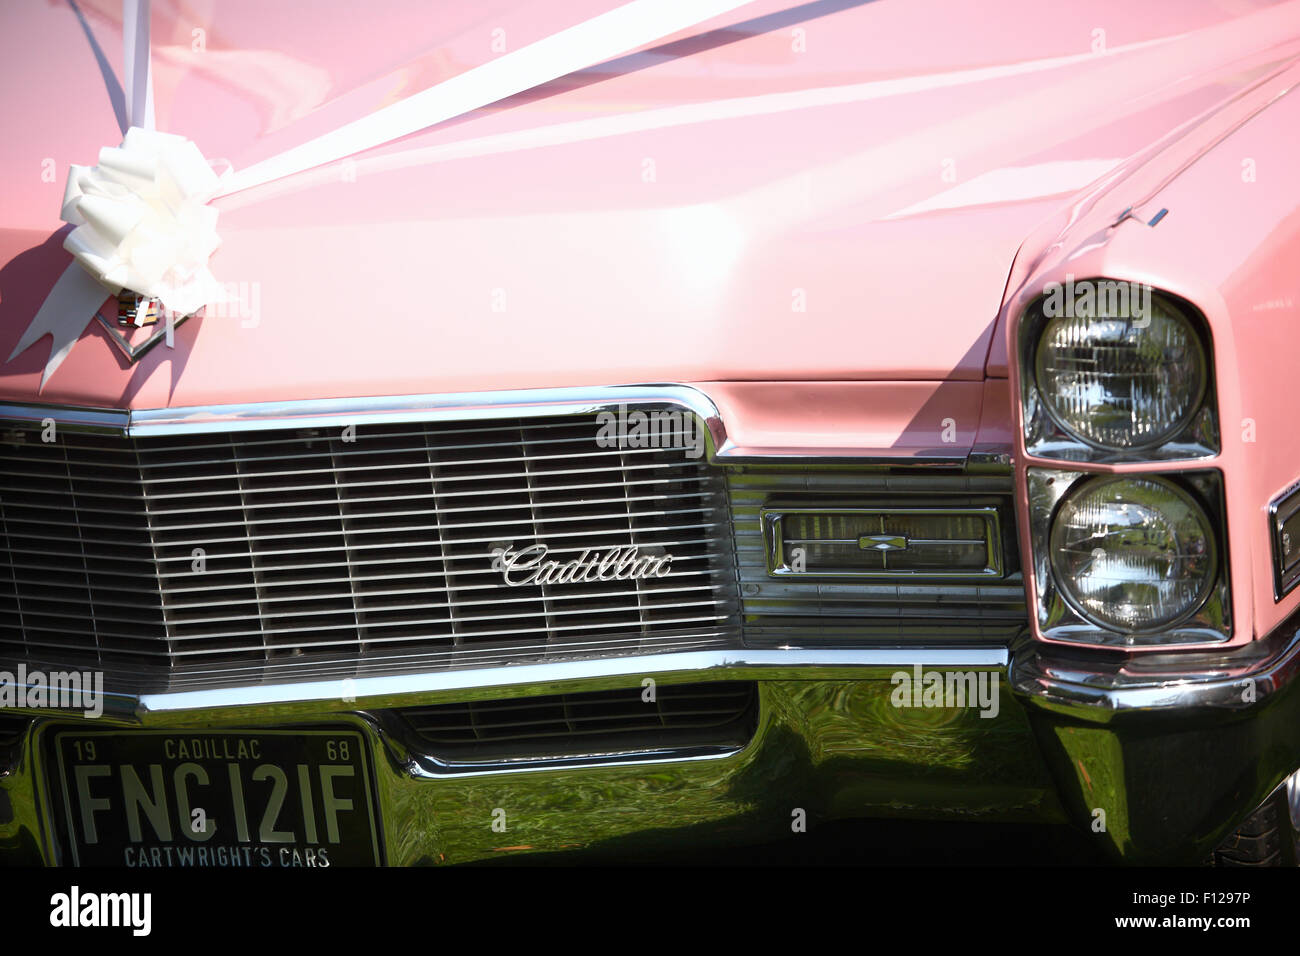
(722, 714)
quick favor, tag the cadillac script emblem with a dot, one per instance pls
(529, 566)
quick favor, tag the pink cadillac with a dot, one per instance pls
(430, 431)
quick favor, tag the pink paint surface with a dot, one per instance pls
(827, 215)
(844, 419)
(812, 195)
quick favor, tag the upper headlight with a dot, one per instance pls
(1121, 383)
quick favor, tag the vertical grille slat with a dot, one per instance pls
(153, 549)
(547, 605)
(346, 519)
(255, 571)
(443, 554)
(85, 567)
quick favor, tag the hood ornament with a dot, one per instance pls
(136, 313)
(137, 310)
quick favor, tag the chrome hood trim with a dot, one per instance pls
(462, 406)
(459, 406)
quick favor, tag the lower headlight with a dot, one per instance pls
(1132, 554)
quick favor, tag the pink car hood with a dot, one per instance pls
(828, 191)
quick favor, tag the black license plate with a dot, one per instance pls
(232, 799)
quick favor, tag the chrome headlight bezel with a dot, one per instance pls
(1061, 619)
(1047, 435)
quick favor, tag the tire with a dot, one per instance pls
(1270, 836)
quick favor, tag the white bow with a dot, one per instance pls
(143, 222)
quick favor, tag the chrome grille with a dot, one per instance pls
(317, 549)
(802, 607)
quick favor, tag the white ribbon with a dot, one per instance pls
(137, 75)
(593, 41)
(142, 214)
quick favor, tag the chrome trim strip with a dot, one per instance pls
(742, 455)
(349, 695)
(458, 406)
(694, 662)
(426, 767)
(454, 406)
(109, 420)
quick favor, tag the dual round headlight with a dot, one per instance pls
(1121, 383)
(1120, 373)
(1133, 554)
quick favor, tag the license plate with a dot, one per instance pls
(231, 799)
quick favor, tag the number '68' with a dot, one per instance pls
(337, 750)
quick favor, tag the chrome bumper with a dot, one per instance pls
(1171, 751)
(828, 743)
(1174, 757)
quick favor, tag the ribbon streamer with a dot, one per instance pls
(136, 64)
(593, 41)
(76, 294)
(142, 217)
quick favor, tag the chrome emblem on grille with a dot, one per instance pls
(882, 542)
(529, 566)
